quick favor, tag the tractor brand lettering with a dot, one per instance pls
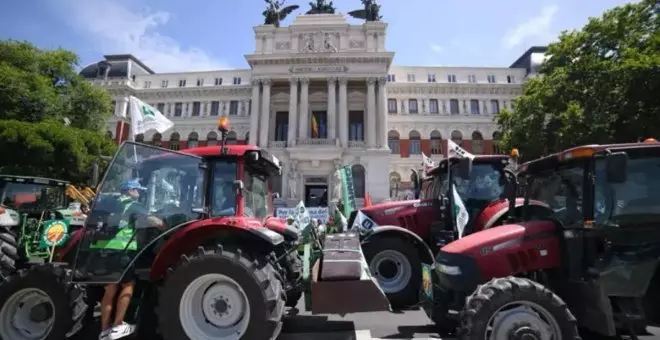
(54, 233)
(391, 211)
(486, 250)
(422, 204)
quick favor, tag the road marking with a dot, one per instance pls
(363, 334)
(355, 335)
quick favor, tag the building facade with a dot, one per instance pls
(321, 94)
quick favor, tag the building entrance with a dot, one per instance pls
(316, 195)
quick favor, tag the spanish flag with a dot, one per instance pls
(315, 127)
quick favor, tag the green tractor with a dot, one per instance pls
(36, 216)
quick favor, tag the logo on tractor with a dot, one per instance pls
(54, 233)
(427, 283)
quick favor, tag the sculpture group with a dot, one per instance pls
(276, 11)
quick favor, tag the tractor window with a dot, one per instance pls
(224, 195)
(561, 189)
(640, 194)
(31, 196)
(256, 195)
(486, 183)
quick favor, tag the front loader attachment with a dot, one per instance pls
(338, 278)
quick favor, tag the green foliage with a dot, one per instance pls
(40, 84)
(599, 85)
(50, 149)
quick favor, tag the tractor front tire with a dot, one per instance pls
(221, 293)
(8, 253)
(38, 303)
(396, 265)
(512, 307)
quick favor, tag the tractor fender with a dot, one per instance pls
(64, 252)
(497, 211)
(199, 233)
(425, 253)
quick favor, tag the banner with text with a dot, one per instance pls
(315, 213)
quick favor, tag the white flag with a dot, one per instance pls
(427, 163)
(301, 216)
(145, 117)
(453, 150)
(461, 214)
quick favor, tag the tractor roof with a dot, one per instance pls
(584, 151)
(478, 159)
(31, 179)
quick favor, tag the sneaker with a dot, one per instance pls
(104, 335)
(121, 331)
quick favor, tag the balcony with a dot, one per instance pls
(356, 144)
(332, 142)
(277, 144)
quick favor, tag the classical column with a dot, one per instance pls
(303, 127)
(265, 114)
(254, 112)
(343, 111)
(332, 108)
(293, 112)
(382, 113)
(370, 127)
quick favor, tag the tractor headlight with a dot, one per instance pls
(448, 270)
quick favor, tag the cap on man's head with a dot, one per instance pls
(132, 184)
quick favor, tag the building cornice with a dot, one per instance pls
(454, 88)
(320, 58)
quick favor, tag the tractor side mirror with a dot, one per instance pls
(238, 187)
(465, 167)
(616, 167)
(275, 195)
(253, 156)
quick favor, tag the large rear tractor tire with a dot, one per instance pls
(8, 253)
(221, 294)
(515, 308)
(37, 304)
(395, 263)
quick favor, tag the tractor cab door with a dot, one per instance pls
(147, 193)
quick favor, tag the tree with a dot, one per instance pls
(51, 149)
(599, 84)
(38, 84)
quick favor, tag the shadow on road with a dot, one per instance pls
(409, 332)
(295, 323)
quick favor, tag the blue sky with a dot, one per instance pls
(177, 35)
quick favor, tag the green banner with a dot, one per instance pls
(348, 191)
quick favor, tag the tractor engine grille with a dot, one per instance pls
(521, 260)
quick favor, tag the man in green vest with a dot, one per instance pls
(131, 215)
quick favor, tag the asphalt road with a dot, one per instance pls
(411, 324)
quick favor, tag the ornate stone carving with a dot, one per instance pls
(356, 44)
(343, 81)
(319, 42)
(382, 80)
(371, 80)
(256, 81)
(266, 81)
(332, 81)
(304, 80)
(282, 45)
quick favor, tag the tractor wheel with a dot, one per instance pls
(395, 263)
(294, 286)
(221, 294)
(516, 308)
(8, 253)
(37, 303)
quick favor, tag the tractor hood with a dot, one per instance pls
(9, 218)
(414, 215)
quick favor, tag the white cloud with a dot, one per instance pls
(436, 48)
(117, 29)
(537, 27)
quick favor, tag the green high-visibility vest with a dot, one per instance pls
(125, 233)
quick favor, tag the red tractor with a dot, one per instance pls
(209, 260)
(592, 261)
(399, 236)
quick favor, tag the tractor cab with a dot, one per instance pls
(34, 196)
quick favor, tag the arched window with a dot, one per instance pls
(395, 182)
(497, 136)
(393, 141)
(139, 138)
(457, 137)
(193, 140)
(212, 138)
(415, 143)
(359, 181)
(436, 143)
(175, 138)
(231, 138)
(157, 139)
(477, 143)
